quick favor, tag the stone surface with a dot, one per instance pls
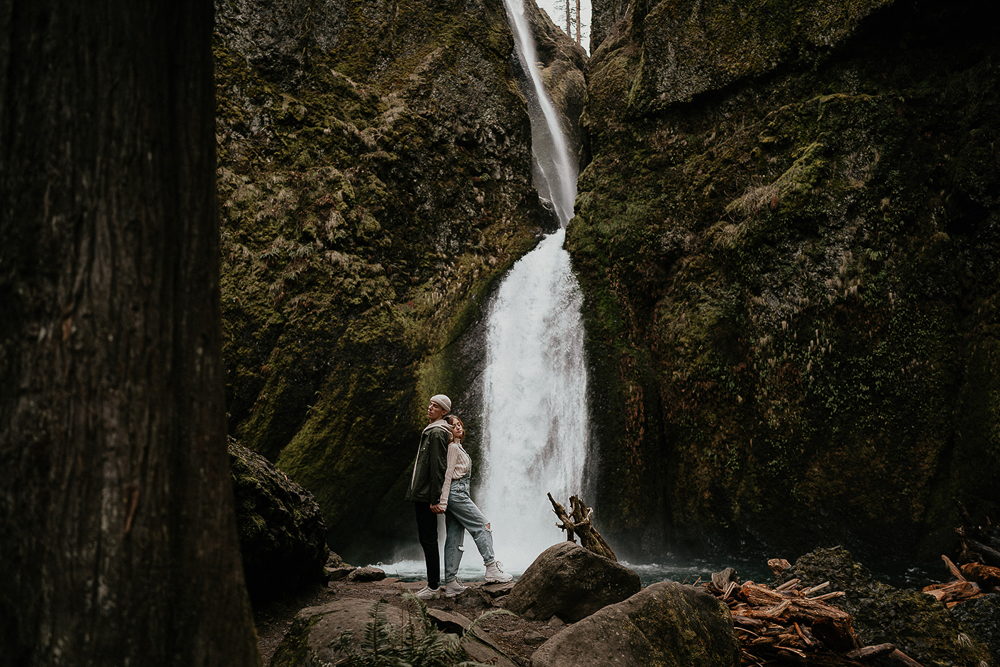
(569, 581)
(338, 573)
(666, 624)
(479, 646)
(981, 618)
(281, 530)
(366, 574)
(314, 638)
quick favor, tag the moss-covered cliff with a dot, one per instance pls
(375, 178)
(788, 239)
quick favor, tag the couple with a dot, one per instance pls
(440, 485)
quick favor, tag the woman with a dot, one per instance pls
(461, 514)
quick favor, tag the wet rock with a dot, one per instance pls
(571, 582)
(338, 573)
(281, 530)
(366, 574)
(667, 624)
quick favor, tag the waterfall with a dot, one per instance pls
(555, 172)
(534, 399)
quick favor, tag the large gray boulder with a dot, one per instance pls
(570, 582)
(667, 624)
(281, 530)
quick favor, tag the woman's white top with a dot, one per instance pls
(459, 464)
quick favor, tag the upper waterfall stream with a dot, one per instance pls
(534, 399)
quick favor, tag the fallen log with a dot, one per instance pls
(953, 569)
(986, 575)
(870, 651)
(953, 591)
(778, 565)
(761, 596)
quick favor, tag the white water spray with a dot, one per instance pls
(535, 409)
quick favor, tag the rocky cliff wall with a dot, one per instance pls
(788, 238)
(375, 179)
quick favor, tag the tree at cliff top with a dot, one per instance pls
(789, 242)
(116, 510)
(375, 178)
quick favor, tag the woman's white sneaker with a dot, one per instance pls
(428, 593)
(495, 575)
(453, 588)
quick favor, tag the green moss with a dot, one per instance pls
(917, 623)
(776, 286)
(371, 190)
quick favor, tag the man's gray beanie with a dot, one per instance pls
(443, 401)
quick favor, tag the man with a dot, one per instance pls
(425, 488)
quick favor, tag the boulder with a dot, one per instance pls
(918, 624)
(312, 639)
(282, 533)
(667, 624)
(366, 574)
(570, 582)
(315, 637)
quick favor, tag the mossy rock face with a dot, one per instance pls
(788, 242)
(981, 616)
(375, 180)
(280, 526)
(918, 624)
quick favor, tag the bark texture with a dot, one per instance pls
(116, 512)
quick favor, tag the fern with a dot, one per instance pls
(418, 643)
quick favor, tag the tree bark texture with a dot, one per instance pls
(117, 535)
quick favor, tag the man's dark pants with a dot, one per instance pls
(427, 531)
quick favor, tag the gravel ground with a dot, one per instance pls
(517, 637)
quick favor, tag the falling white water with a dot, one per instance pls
(534, 400)
(555, 176)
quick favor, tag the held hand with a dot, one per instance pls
(437, 509)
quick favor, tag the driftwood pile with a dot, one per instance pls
(794, 625)
(979, 570)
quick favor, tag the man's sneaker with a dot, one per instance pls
(494, 575)
(453, 588)
(428, 593)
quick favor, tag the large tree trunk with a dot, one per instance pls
(117, 537)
